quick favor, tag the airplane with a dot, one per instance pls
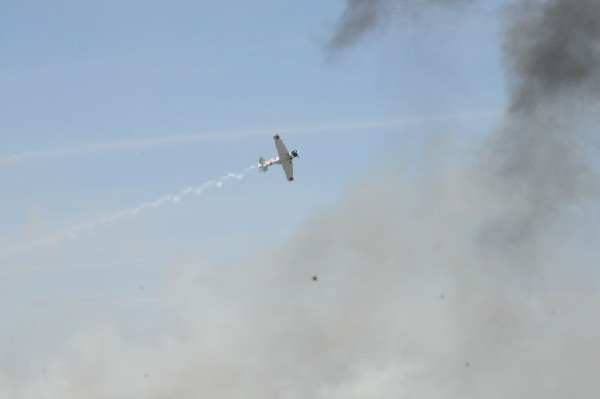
(284, 159)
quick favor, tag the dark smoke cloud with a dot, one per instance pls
(553, 51)
(362, 16)
(359, 17)
(537, 159)
(529, 177)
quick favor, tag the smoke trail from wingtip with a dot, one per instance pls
(130, 212)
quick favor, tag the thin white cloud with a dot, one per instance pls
(354, 126)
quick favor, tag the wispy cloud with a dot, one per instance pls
(353, 126)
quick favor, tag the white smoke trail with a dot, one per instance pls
(131, 212)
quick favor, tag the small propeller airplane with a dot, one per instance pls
(284, 159)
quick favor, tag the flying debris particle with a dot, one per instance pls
(315, 277)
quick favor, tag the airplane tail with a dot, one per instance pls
(262, 167)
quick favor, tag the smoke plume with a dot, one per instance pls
(477, 280)
(553, 54)
(362, 16)
(537, 160)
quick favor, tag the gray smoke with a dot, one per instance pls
(553, 53)
(537, 160)
(405, 305)
(359, 17)
(535, 164)
(476, 280)
(362, 16)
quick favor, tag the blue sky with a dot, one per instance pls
(107, 105)
(95, 74)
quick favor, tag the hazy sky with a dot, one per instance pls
(444, 195)
(106, 105)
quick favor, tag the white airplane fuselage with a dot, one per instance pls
(264, 165)
(284, 159)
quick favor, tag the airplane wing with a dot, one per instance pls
(281, 150)
(288, 168)
(284, 157)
